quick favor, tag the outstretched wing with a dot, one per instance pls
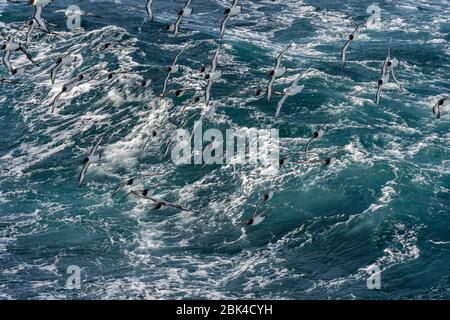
(94, 148)
(223, 25)
(344, 52)
(280, 56)
(83, 173)
(280, 104)
(437, 110)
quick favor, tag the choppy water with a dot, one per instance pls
(384, 201)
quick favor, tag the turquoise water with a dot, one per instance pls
(384, 201)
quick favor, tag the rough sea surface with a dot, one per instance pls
(385, 201)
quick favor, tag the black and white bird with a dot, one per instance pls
(129, 184)
(93, 157)
(234, 10)
(277, 71)
(352, 37)
(61, 61)
(159, 203)
(186, 11)
(289, 92)
(255, 219)
(316, 135)
(11, 46)
(387, 70)
(437, 108)
(37, 15)
(171, 70)
(212, 74)
(213, 66)
(66, 88)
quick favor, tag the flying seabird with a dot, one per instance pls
(229, 12)
(159, 203)
(172, 69)
(288, 92)
(187, 10)
(213, 65)
(353, 36)
(276, 72)
(66, 88)
(316, 135)
(10, 46)
(92, 158)
(66, 58)
(37, 15)
(438, 106)
(254, 220)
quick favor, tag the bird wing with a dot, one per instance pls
(437, 110)
(214, 59)
(6, 61)
(280, 104)
(269, 87)
(165, 83)
(377, 96)
(94, 148)
(344, 52)
(149, 9)
(55, 101)
(223, 25)
(280, 56)
(177, 24)
(358, 28)
(120, 186)
(83, 173)
(176, 57)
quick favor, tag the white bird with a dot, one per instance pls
(289, 92)
(92, 158)
(277, 71)
(172, 69)
(229, 12)
(353, 36)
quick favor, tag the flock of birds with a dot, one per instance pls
(210, 73)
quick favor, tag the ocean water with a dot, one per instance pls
(384, 201)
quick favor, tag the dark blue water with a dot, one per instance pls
(384, 201)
